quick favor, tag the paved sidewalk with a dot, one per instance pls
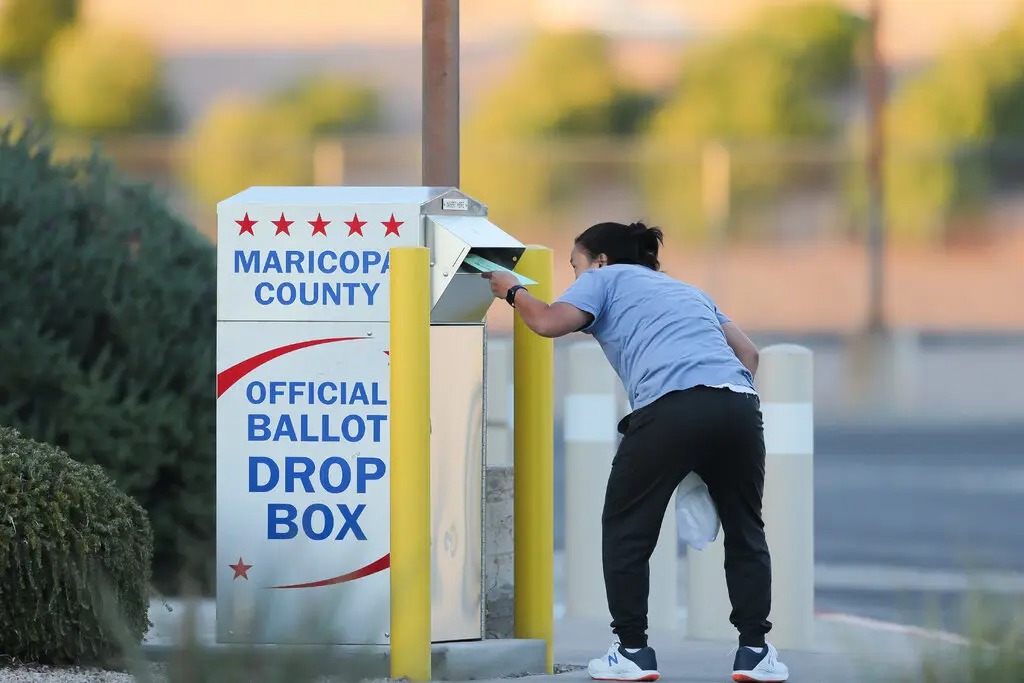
(847, 648)
(847, 651)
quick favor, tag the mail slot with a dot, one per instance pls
(303, 495)
(458, 291)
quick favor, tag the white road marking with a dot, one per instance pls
(883, 578)
(956, 479)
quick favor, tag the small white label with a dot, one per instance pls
(455, 204)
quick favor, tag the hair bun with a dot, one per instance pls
(633, 243)
(647, 239)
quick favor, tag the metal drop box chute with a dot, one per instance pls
(459, 293)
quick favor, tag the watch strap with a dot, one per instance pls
(510, 296)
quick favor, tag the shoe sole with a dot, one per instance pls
(645, 677)
(744, 678)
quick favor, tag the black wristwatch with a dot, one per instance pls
(510, 295)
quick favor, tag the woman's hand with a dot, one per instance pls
(548, 321)
(501, 282)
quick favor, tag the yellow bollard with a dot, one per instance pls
(534, 465)
(410, 463)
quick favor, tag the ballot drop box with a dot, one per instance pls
(303, 494)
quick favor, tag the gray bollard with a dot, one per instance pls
(590, 418)
(785, 382)
(593, 406)
(786, 385)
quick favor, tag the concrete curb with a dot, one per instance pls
(868, 623)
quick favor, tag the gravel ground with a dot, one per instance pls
(54, 674)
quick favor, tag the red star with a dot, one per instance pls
(282, 225)
(355, 226)
(245, 225)
(391, 226)
(319, 225)
(241, 569)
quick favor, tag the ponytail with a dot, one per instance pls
(634, 244)
(648, 241)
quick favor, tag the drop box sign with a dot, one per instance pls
(302, 419)
(308, 263)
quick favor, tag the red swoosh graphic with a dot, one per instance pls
(372, 568)
(226, 378)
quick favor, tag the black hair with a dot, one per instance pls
(635, 243)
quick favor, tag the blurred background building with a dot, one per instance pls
(739, 126)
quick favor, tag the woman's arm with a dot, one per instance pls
(742, 346)
(554, 320)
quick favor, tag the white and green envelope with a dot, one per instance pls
(487, 266)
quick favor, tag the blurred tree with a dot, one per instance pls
(26, 29)
(945, 129)
(1006, 51)
(564, 85)
(768, 83)
(819, 40)
(99, 80)
(332, 105)
(242, 142)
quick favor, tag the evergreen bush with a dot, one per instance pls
(107, 348)
(74, 552)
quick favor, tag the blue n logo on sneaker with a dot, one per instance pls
(613, 658)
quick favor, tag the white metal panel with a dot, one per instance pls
(323, 195)
(302, 481)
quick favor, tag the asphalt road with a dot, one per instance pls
(909, 521)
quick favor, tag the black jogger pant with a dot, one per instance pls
(718, 433)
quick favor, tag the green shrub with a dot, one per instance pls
(108, 344)
(69, 541)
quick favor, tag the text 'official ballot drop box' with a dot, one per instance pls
(303, 492)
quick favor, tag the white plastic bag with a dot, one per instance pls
(696, 515)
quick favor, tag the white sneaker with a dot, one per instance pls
(619, 665)
(759, 665)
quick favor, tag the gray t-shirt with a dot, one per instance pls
(659, 334)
